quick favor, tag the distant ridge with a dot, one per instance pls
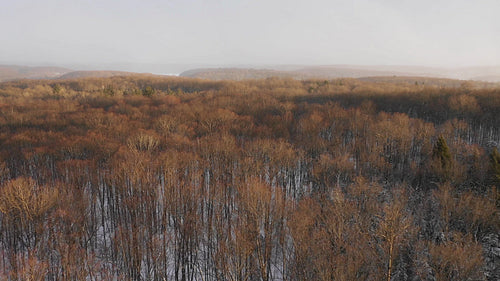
(95, 74)
(484, 73)
(15, 72)
(488, 78)
(313, 72)
(236, 73)
(430, 81)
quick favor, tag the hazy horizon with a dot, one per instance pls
(441, 33)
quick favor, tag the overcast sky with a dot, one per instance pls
(224, 32)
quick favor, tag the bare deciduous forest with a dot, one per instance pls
(151, 178)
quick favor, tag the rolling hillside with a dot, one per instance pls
(487, 73)
(94, 74)
(15, 72)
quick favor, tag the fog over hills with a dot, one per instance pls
(485, 73)
(243, 72)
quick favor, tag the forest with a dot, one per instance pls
(166, 178)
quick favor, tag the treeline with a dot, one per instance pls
(150, 178)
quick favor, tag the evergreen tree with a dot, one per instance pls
(495, 167)
(441, 153)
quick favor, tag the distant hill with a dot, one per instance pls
(349, 71)
(236, 73)
(412, 80)
(15, 72)
(488, 78)
(95, 74)
(383, 73)
(487, 73)
(313, 72)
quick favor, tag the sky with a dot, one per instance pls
(444, 33)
